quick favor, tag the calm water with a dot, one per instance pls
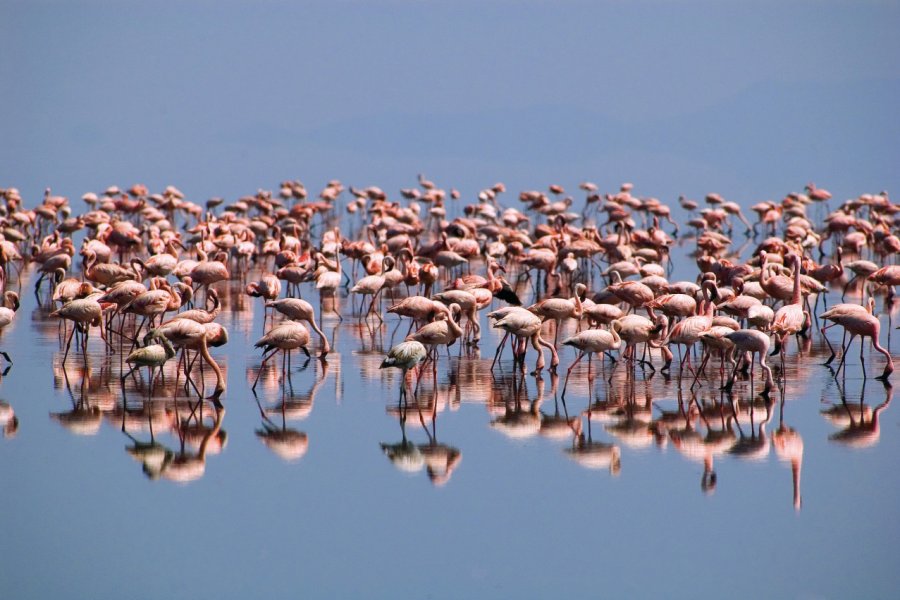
(327, 488)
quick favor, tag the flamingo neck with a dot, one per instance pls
(216, 307)
(220, 381)
(454, 326)
(90, 263)
(795, 298)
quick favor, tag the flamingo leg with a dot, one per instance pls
(844, 355)
(261, 365)
(499, 350)
(68, 345)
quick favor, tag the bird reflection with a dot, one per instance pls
(521, 418)
(753, 445)
(197, 437)
(789, 448)
(703, 443)
(405, 455)
(592, 454)
(863, 429)
(8, 420)
(438, 459)
(85, 416)
(595, 455)
(186, 466)
(631, 417)
(558, 425)
(287, 443)
(152, 417)
(152, 455)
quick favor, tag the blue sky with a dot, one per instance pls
(220, 98)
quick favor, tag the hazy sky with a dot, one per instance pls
(221, 98)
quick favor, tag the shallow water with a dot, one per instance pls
(327, 487)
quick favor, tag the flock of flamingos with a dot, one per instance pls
(143, 272)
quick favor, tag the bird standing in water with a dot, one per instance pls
(405, 356)
(286, 336)
(153, 356)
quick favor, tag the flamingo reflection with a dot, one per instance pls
(863, 429)
(788, 446)
(8, 420)
(438, 459)
(287, 443)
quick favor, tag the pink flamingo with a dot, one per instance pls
(862, 324)
(791, 318)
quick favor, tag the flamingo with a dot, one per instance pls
(105, 273)
(405, 356)
(468, 304)
(191, 335)
(201, 315)
(153, 356)
(67, 289)
(715, 339)
(838, 312)
(328, 281)
(207, 272)
(297, 309)
(861, 269)
(791, 318)
(525, 325)
(687, 332)
(441, 332)
(760, 317)
(888, 277)
(121, 295)
(589, 342)
(750, 342)
(863, 324)
(284, 337)
(673, 305)
(634, 293)
(84, 312)
(560, 308)
(162, 264)
(370, 285)
(268, 287)
(391, 274)
(153, 303)
(601, 313)
(419, 308)
(637, 329)
(778, 287)
(7, 312)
